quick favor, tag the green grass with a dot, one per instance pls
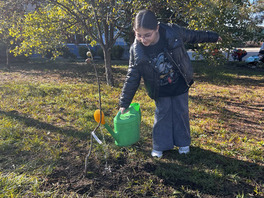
(46, 117)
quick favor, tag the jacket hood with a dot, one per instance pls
(172, 37)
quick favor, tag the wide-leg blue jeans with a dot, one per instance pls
(171, 124)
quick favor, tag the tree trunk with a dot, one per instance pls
(108, 68)
(7, 58)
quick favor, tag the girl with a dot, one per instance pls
(158, 56)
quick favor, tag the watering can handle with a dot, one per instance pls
(136, 106)
(125, 111)
(119, 113)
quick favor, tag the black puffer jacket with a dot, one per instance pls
(141, 66)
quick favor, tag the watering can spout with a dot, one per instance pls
(110, 130)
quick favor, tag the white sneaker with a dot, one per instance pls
(155, 153)
(184, 150)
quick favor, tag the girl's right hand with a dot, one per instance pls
(122, 110)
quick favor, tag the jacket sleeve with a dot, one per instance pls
(132, 82)
(193, 36)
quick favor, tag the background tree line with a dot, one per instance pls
(47, 26)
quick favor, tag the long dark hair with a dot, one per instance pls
(145, 19)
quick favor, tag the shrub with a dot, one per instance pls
(12, 58)
(65, 53)
(83, 50)
(2, 53)
(117, 52)
(100, 53)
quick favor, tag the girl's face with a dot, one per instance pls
(146, 36)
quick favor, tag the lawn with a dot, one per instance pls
(46, 118)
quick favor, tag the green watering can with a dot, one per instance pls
(127, 125)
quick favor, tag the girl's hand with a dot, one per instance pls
(219, 39)
(122, 110)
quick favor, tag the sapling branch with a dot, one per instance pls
(89, 60)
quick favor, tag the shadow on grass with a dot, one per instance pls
(222, 75)
(236, 117)
(29, 122)
(210, 174)
(76, 70)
